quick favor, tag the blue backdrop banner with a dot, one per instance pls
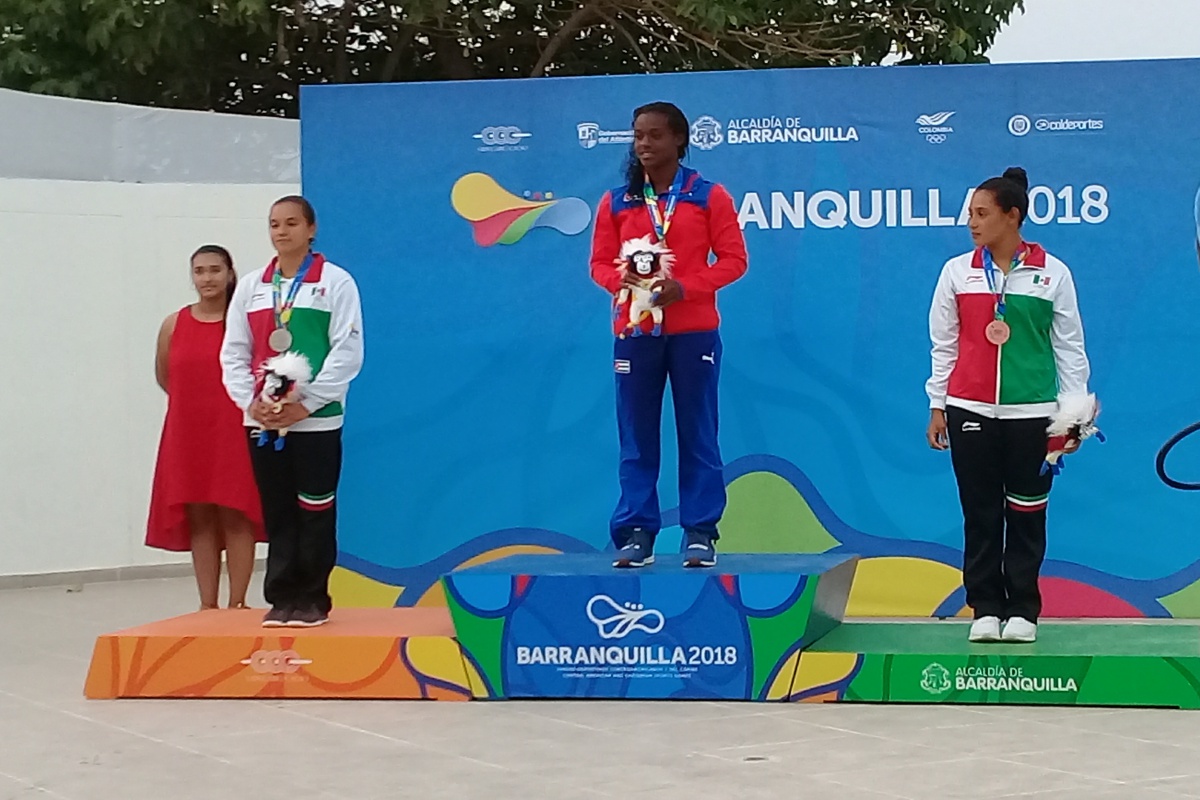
(483, 423)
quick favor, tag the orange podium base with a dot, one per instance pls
(369, 653)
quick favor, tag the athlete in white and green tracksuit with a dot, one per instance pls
(322, 316)
(994, 399)
(1044, 357)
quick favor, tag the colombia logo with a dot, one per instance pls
(498, 216)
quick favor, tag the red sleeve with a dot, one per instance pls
(726, 241)
(606, 246)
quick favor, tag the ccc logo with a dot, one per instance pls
(501, 135)
(276, 662)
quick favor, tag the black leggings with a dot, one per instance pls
(997, 463)
(298, 485)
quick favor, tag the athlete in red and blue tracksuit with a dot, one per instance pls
(703, 223)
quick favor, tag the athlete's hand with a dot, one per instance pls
(260, 412)
(669, 292)
(936, 434)
(289, 415)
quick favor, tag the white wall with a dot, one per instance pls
(89, 271)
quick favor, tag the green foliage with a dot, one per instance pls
(250, 56)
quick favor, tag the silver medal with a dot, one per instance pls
(280, 340)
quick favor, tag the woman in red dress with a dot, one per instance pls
(205, 499)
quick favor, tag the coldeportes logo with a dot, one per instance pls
(615, 621)
(275, 662)
(498, 216)
(934, 126)
(1019, 125)
(1068, 124)
(935, 679)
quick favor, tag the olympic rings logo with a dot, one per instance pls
(935, 138)
(501, 136)
(276, 662)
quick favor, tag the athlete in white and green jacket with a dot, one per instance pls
(1007, 349)
(299, 303)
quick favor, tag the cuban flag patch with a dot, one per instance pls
(621, 366)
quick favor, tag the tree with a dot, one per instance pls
(182, 53)
(250, 56)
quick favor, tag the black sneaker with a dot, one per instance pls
(277, 617)
(699, 550)
(308, 617)
(638, 551)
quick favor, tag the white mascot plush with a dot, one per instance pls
(646, 262)
(284, 378)
(1074, 421)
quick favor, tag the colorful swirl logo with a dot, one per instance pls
(498, 216)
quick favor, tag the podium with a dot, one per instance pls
(572, 626)
(1148, 663)
(756, 627)
(378, 653)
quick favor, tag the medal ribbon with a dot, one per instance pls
(989, 270)
(660, 220)
(283, 308)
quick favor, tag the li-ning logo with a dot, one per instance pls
(615, 621)
(276, 662)
(934, 126)
(971, 426)
(935, 679)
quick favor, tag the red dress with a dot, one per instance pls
(203, 455)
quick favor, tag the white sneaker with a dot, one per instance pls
(1019, 629)
(985, 629)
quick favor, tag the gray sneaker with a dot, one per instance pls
(638, 552)
(699, 550)
(307, 617)
(277, 617)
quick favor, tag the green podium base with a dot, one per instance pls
(1110, 663)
